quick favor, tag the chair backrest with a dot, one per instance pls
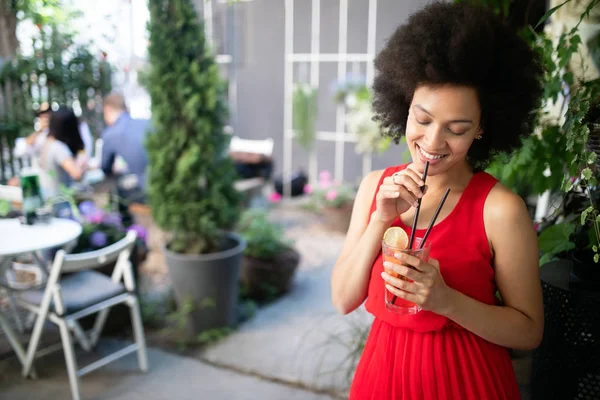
(97, 258)
(11, 193)
(264, 147)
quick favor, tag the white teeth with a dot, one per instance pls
(430, 156)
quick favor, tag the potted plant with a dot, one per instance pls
(573, 230)
(356, 96)
(333, 201)
(190, 177)
(270, 261)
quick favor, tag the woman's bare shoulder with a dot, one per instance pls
(504, 204)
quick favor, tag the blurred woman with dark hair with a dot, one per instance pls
(58, 159)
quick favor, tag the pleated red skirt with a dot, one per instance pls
(402, 364)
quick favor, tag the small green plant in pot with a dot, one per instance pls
(190, 178)
(270, 261)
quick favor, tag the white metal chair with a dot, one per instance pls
(65, 300)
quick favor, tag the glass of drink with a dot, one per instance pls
(32, 195)
(396, 304)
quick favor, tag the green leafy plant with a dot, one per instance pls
(59, 70)
(190, 179)
(560, 146)
(5, 208)
(213, 335)
(582, 101)
(555, 240)
(304, 113)
(264, 239)
(525, 171)
(357, 97)
(178, 323)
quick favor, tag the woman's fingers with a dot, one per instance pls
(407, 272)
(403, 294)
(415, 175)
(409, 182)
(396, 192)
(399, 283)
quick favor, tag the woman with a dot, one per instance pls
(58, 158)
(460, 85)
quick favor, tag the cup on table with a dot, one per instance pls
(399, 305)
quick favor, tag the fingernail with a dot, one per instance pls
(416, 204)
(383, 275)
(398, 255)
(396, 194)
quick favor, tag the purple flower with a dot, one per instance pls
(98, 239)
(140, 230)
(112, 219)
(94, 217)
(87, 207)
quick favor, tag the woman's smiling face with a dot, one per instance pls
(442, 123)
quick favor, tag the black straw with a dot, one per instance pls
(435, 215)
(416, 217)
(431, 224)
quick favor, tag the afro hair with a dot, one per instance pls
(464, 45)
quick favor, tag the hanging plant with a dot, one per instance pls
(305, 114)
(359, 120)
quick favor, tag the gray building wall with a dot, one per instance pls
(258, 51)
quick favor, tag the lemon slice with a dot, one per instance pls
(395, 237)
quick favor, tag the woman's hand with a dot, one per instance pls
(428, 289)
(397, 194)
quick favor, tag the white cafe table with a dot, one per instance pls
(19, 239)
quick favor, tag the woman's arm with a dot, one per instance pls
(519, 323)
(352, 271)
(71, 168)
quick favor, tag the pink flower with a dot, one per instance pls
(324, 179)
(325, 176)
(95, 217)
(331, 195)
(308, 189)
(536, 226)
(275, 197)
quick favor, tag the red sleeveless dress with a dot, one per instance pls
(427, 356)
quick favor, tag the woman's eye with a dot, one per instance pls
(455, 133)
(422, 122)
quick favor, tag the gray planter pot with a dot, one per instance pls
(210, 281)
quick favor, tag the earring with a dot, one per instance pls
(478, 137)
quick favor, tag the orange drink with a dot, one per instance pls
(395, 241)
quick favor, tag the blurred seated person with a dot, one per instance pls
(58, 156)
(33, 143)
(125, 137)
